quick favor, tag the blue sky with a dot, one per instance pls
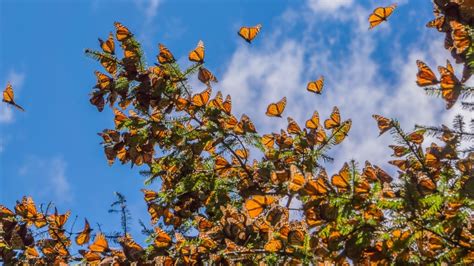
(52, 151)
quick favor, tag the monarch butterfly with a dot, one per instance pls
(460, 36)
(245, 125)
(162, 239)
(227, 105)
(155, 212)
(201, 99)
(131, 249)
(276, 109)
(197, 55)
(273, 245)
(203, 224)
(334, 121)
(425, 76)
(27, 210)
(217, 102)
(58, 220)
(249, 33)
(297, 179)
(401, 164)
(382, 175)
(341, 180)
(437, 23)
(380, 14)
(425, 184)
(122, 32)
(313, 122)
(84, 236)
(342, 132)
(221, 164)
(230, 123)
(384, 124)
(119, 118)
(100, 244)
(9, 97)
(165, 56)
(5, 212)
(31, 253)
(205, 76)
(108, 46)
(257, 204)
(242, 153)
(316, 86)
(293, 127)
(109, 63)
(268, 140)
(149, 195)
(316, 136)
(103, 81)
(416, 137)
(319, 186)
(449, 85)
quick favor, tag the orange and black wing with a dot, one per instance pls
(276, 109)
(9, 97)
(249, 33)
(380, 14)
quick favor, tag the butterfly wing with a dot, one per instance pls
(9, 97)
(197, 55)
(276, 109)
(165, 56)
(249, 33)
(425, 76)
(334, 120)
(380, 14)
(108, 46)
(122, 32)
(316, 86)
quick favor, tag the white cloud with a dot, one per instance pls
(149, 8)
(357, 84)
(16, 79)
(328, 5)
(56, 185)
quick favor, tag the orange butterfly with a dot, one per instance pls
(276, 109)
(313, 122)
(342, 132)
(383, 123)
(108, 46)
(58, 220)
(334, 121)
(245, 125)
(460, 36)
(197, 55)
(119, 118)
(293, 127)
(380, 14)
(150, 195)
(316, 86)
(9, 97)
(201, 99)
(341, 180)
(122, 32)
(165, 56)
(257, 204)
(450, 85)
(437, 23)
(425, 76)
(27, 210)
(319, 186)
(100, 244)
(109, 63)
(268, 141)
(249, 33)
(297, 179)
(84, 236)
(205, 76)
(103, 81)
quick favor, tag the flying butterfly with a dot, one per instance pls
(257, 204)
(122, 32)
(206, 76)
(9, 97)
(108, 45)
(384, 124)
(197, 55)
(100, 244)
(334, 121)
(342, 132)
(165, 56)
(425, 76)
(84, 236)
(293, 127)
(437, 23)
(380, 14)
(201, 99)
(276, 109)
(249, 33)
(316, 86)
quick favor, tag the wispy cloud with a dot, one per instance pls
(358, 83)
(56, 184)
(149, 8)
(328, 5)
(16, 79)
